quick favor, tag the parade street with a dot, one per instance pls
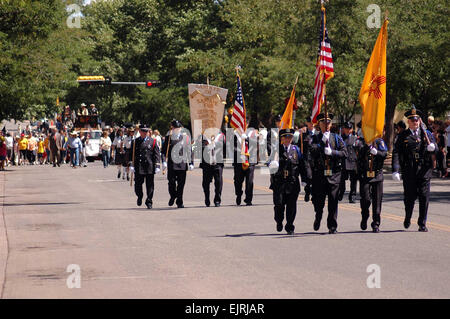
(54, 220)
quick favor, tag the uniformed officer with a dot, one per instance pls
(413, 157)
(284, 181)
(244, 166)
(146, 165)
(303, 143)
(176, 154)
(327, 150)
(213, 149)
(370, 159)
(349, 167)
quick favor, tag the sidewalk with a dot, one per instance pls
(3, 235)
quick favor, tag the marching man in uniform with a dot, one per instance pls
(176, 154)
(327, 150)
(413, 157)
(212, 165)
(244, 167)
(284, 181)
(370, 173)
(349, 169)
(146, 160)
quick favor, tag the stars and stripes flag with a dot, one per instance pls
(238, 121)
(238, 118)
(324, 68)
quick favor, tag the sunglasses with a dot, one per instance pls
(414, 119)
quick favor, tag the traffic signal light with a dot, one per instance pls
(152, 84)
(93, 80)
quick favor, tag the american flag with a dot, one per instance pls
(238, 117)
(324, 68)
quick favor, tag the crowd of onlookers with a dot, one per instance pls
(58, 146)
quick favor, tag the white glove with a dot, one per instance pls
(131, 169)
(431, 147)
(326, 137)
(373, 151)
(157, 170)
(328, 150)
(396, 176)
(304, 184)
(191, 167)
(164, 165)
(244, 136)
(274, 165)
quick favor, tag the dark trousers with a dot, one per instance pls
(239, 176)
(416, 187)
(347, 174)
(371, 193)
(177, 179)
(55, 157)
(282, 201)
(321, 188)
(208, 175)
(149, 185)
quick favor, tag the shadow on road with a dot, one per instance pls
(307, 234)
(435, 197)
(40, 204)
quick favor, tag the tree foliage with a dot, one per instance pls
(181, 42)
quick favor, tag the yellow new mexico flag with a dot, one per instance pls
(372, 95)
(286, 120)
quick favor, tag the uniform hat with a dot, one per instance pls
(287, 132)
(401, 124)
(413, 113)
(321, 117)
(308, 119)
(176, 123)
(278, 118)
(348, 125)
(143, 127)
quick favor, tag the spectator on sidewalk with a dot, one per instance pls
(41, 150)
(2, 153)
(9, 149)
(23, 148)
(74, 145)
(55, 147)
(105, 146)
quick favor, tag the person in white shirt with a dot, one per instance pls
(9, 148)
(105, 146)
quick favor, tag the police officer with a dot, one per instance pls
(178, 143)
(370, 159)
(303, 143)
(413, 157)
(284, 181)
(349, 167)
(327, 150)
(244, 166)
(213, 149)
(146, 165)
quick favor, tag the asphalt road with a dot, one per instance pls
(52, 218)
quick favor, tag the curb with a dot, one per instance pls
(3, 237)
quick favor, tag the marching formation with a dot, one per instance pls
(314, 158)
